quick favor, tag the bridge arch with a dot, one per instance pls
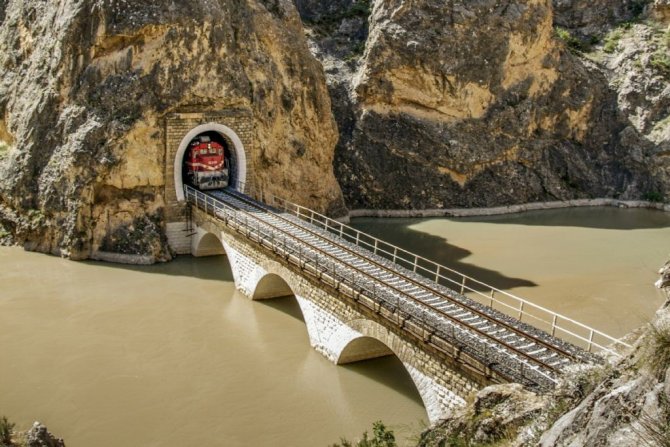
(363, 339)
(239, 156)
(205, 243)
(271, 286)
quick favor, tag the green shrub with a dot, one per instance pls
(653, 196)
(382, 438)
(361, 8)
(660, 61)
(572, 42)
(6, 432)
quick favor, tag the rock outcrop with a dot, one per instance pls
(85, 86)
(635, 60)
(461, 104)
(39, 436)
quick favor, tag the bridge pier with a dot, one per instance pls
(342, 331)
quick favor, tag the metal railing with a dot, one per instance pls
(560, 326)
(411, 314)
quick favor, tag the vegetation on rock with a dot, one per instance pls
(381, 437)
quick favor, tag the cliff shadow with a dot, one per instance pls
(602, 218)
(390, 372)
(287, 305)
(210, 268)
(397, 231)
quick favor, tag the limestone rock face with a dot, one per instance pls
(470, 104)
(85, 86)
(636, 73)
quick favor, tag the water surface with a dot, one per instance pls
(173, 355)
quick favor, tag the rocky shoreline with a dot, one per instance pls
(37, 436)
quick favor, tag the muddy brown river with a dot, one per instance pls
(172, 355)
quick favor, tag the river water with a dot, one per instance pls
(172, 355)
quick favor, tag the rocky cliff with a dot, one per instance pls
(85, 86)
(459, 104)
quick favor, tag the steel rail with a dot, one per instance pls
(497, 344)
(395, 256)
(416, 283)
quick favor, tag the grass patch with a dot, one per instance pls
(660, 61)
(657, 351)
(654, 430)
(611, 41)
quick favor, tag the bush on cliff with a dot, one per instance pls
(6, 432)
(382, 437)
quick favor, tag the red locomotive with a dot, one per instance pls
(206, 164)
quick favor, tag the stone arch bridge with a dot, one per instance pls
(363, 298)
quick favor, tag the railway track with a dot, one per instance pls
(516, 351)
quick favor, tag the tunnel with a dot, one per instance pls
(211, 156)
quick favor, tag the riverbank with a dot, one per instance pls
(510, 209)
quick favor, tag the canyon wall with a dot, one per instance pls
(85, 86)
(471, 104)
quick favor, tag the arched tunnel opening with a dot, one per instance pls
(209, 162)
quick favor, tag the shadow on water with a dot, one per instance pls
(287, 305)
(603, 218)
(210, 268)
(398, 232)
(390, 372)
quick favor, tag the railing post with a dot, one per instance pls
(437, 274)
(553, 325)
(341, 229)
(376, 241)
(395, 253)
(590, 341)
(416, 263)
(521, 310)
(492, 295)
(463, 285)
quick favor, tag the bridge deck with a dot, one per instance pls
(514, 350)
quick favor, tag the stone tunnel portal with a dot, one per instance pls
(210, 156)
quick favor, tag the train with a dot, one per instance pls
(207, 166)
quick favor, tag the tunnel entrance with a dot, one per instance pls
(210, 156)
(209, 162)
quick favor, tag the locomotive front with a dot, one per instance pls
(206, 164)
